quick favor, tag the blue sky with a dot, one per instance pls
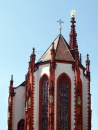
(25, 24)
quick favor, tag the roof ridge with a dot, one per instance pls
(58, 42)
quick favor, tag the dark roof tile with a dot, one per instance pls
(63, 51)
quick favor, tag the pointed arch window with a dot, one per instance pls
(20, 125)
(43, 103)
(63, 102)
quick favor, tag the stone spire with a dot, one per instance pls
(10, 104)
(88, 66)
(29, 95)
(73, 34)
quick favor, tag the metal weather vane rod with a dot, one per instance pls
(60, 27)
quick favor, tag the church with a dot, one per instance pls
(56, 92)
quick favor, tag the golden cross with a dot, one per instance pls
(60, 27)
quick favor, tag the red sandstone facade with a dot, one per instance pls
(53, 99)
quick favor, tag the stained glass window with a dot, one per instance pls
(21, 125)
(45, 103)
(63, 86)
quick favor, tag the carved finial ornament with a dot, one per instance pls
(33, 50)
(12, 77)
(87, 57)
(73, 12)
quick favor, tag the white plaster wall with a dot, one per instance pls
(43, 69)
(60, 68)
(18, 105)
(65, 68)
(84, 98)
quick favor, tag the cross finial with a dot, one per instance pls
(60, 27)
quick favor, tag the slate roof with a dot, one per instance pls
(63, 51)
(22, 84)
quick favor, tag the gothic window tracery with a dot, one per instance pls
(63, 99)
(21, 125)
(44, 102)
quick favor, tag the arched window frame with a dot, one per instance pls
(22, 120)
(40, 99)
(69, 99)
